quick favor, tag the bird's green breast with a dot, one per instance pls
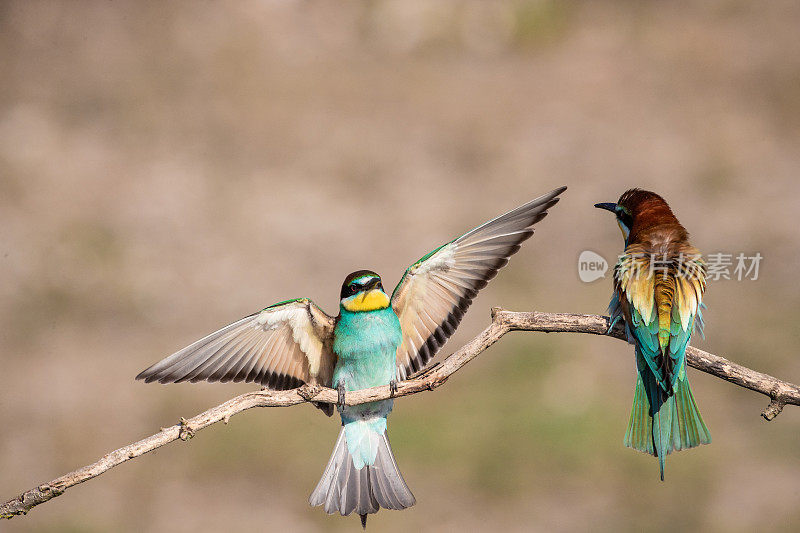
(366, 344)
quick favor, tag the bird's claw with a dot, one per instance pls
(392, 388)
(612, 322)
(340, 403)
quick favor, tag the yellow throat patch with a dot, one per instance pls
(370, 301)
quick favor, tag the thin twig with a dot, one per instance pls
(780, 393)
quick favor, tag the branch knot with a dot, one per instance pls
(185, 432)
(309, 392)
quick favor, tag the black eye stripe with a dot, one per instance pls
(354, 287)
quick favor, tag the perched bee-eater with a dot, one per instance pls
(658, 290)
(374, 340)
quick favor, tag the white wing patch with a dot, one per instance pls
(303, 332)
(444, 259)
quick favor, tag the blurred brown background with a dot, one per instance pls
(166, 168)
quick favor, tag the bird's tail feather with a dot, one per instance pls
(688, 428)
(640, 427)
(660, 424)
(343, 488)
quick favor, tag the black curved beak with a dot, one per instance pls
(607, 206)
(372, 285)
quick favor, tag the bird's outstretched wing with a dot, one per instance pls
(435, 292)
(281, 347)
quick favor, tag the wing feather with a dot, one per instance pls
(435, 292)
(280, 347)
(242, 357)
(250, 363)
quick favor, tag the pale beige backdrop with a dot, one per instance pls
(166, 168)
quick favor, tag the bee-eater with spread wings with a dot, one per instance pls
(375, 340)
(658, 289)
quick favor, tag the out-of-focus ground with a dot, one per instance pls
(166, 168)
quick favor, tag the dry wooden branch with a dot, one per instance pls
(780, 393)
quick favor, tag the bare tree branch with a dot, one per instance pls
(780, 393)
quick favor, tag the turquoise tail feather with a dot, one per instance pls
(639, 435)
(688, 428)
(661, 423)
(663, 410)
(650, 426)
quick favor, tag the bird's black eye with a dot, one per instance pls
(354, 288)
